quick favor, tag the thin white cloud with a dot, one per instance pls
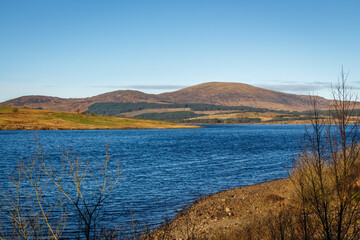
(53, 86)
(296, 87)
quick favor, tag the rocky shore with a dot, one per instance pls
(228, 214)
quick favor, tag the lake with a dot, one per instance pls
(163, 171)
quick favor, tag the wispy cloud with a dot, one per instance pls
(297, 87)
(322, 83)
(145, 87)
(303, 88)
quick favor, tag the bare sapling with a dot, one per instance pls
(44, 195)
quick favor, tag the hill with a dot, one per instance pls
(13, 118)
(239, 94)
(217, 93)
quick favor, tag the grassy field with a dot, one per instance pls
(13, 118)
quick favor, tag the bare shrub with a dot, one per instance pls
(327, 171)
(31, 212)
(38, 200)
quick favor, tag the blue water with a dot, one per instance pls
(164, 170)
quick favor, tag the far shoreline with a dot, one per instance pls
(186, 126)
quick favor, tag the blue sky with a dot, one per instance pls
(82, 48)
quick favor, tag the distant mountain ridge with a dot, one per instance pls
(218, 93)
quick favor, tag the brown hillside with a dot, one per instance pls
(239, 94)
(218, 93)
(72, 104)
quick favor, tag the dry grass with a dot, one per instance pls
(12, 118)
